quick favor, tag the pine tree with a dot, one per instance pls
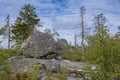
(25, 23)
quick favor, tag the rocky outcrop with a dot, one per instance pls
(39, 45)
(49, 66)
(18, 63)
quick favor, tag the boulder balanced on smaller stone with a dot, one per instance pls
(39, 44)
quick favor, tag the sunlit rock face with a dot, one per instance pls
(39, 44)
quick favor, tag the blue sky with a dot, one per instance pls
(64, 15)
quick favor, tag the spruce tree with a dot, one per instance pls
(25, 23)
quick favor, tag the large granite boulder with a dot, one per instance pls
(40, 44)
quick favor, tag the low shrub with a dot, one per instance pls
(72, 57)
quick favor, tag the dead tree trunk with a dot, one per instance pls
(8, 19)
(82, 12)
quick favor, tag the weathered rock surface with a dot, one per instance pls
(20, 63)
(39, 44)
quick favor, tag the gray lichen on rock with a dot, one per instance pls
(39, 44)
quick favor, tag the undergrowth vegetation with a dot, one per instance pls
(5, 54)
(5, 69)
(72, 57)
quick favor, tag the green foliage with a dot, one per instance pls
(4, 76)
(5, 69)
(32, 74)
(72, 53)
(72, 56)
(5, 54)
(21, 32)
(103, 50)
(25, 23)
(3, 30)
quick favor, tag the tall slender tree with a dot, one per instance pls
(82, 12)
(25, 23)
(8, 20)
(5, 31)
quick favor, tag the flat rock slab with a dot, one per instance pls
(18, 63)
